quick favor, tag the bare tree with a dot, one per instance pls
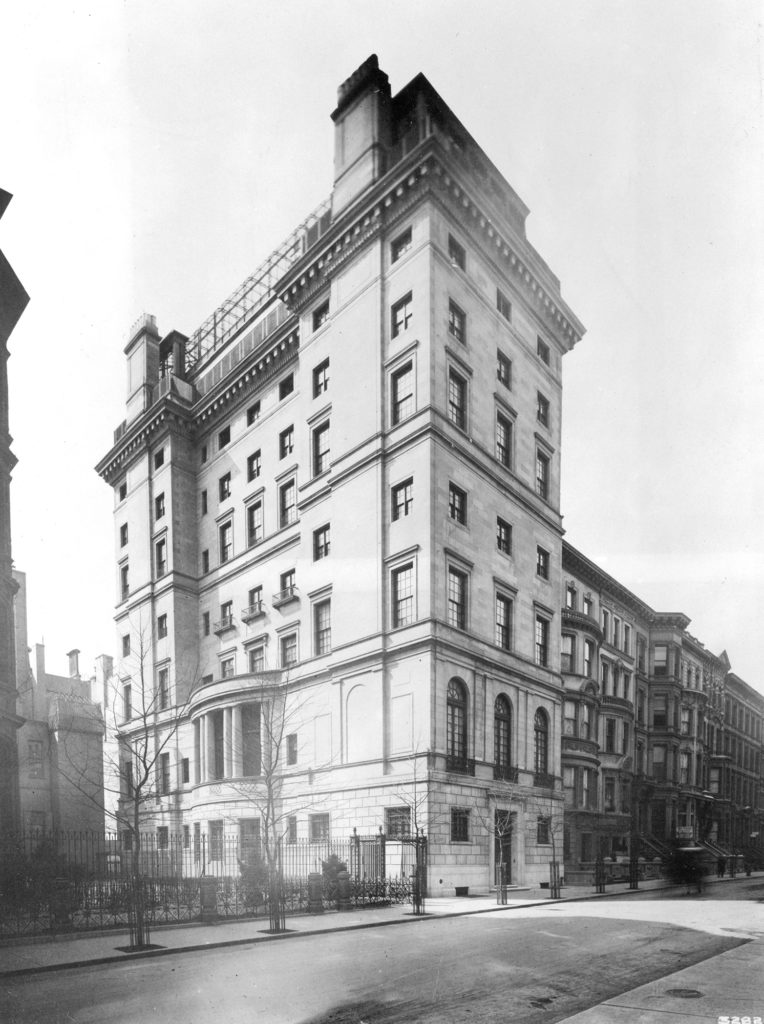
(547, 821)
(499, 824)
(143, 710)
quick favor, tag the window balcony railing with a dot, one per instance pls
(544, 780)
(223, 625)
(252, 612)
(284, 596)
(459, 764)
(506, 772)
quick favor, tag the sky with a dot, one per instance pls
(159, 151)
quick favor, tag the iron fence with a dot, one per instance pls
(53, 882)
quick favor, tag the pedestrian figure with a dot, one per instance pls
(721, 866)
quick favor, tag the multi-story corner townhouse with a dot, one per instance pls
(340, 496)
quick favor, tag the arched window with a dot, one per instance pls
(456, 739)
(541, 743)
(502, 735)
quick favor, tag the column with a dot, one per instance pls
(227, 743)
(236, 743)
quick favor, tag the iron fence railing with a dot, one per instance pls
(53, 882)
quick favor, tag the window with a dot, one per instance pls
(34, 750)
(206, 623)
(503, 625)
(257, 659)
(320, 315)
(457, 399)
(287, 580)
(217, 840)
(457, 504)
(542, 351)
(203, 453)
(122, 491)
(286, 442)
(163, 688)
(609, 795)
(569, 719)
(227, 668)
(164, 781)
(542, 563)
(288, 650)
(159, 458)
(456, 253)
(226, 542)
(457, 322)
(204, 503)
(568, 662)
(321, 449)
(205, 560)
(291, 836)
(504, 440)
(253, 465)
(123, 535)
(542, 831)
(124, 580)
(541, 742)
(402, 498)
(254, 523)
(503, 305)
(126, 645)
(503, 369)
(400, 315)
(616, 631)
(542, 641)
(625, 737)
(322, 627)
(609, 735)
(503, 536)
(286, 386)
(402, 386)
(606, 624)
(542, 475)
(318, 825)
(287, 503)
(161, 626)
(253, 413)
(660, 660)
(397, 822)
(542, 409)
(456, 720)
(321, 542)
(659, 763)
(160, 550)
(291, 748)
(402, 593)
(321, 378)
(588, 606)
(127, 701)
(400, 245)
(226, 614)
(460, 825)
(185, 778)
(255, 598)
(588, 657)
(502, 732)
(660, 711)
(605, 676)
(224, 487)
(224, 437)
(457, 599)
(570, 597)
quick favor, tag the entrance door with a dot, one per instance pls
(502, 847)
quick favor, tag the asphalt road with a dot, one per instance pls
(536, 965)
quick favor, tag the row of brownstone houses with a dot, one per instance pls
(344, 600)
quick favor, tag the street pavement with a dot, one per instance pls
(727, 984)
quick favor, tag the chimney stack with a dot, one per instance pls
(74, 663)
